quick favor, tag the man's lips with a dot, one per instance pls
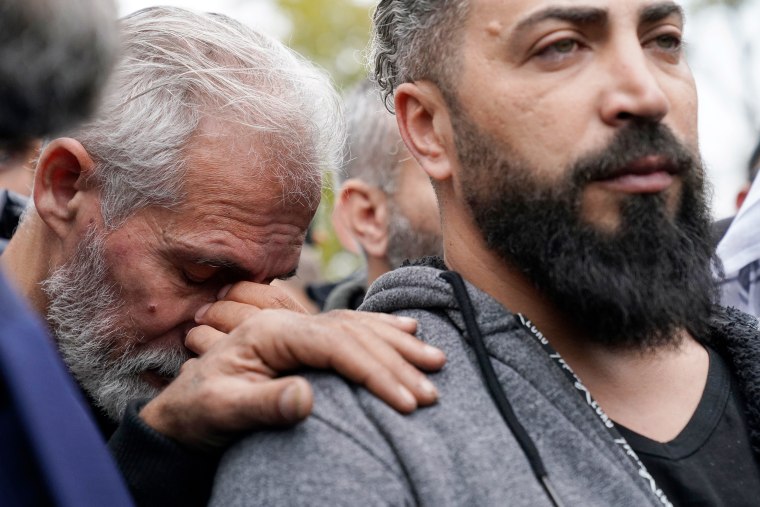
(646, 175)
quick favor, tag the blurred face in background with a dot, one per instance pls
(17, 167)
(414, 228)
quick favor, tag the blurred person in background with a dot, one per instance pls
(739, 247)
(385, 203)
(54, 57)
(16, 178)
(17, 173)
(720, 227)
(308, 279)
(156, 229)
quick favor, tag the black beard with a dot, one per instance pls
(633, 288)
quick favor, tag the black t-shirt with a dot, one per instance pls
(710, 463)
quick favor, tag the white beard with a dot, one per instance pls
(86, 315)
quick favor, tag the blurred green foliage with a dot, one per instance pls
(334, 34)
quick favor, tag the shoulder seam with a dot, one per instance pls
(359, 443)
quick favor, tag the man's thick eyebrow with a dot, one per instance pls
(658, 12)
(575, 15)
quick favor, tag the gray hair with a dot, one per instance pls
(178, 67)
(416, 39)
(374, 147)
(54, 57)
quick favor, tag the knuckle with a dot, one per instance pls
(248, 325)
(267, 321)
(281, 301)
(188, 366)
(238, 289)
(272, 297)
(270, 315)
(340, 315)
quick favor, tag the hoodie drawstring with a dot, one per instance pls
(494, 387)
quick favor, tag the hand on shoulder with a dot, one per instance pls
(247, 340)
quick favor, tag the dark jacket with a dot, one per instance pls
(348, 294)
(50, 450)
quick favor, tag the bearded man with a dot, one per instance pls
(587, 364)
(170, 212)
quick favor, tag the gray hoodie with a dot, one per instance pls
(355, 450)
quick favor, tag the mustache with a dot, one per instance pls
(637, 140)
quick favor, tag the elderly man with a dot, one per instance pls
(170, 212)
(54, 57)
(385, 203)
(576, 288)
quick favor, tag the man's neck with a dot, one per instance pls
(653, 393)
(376, 267)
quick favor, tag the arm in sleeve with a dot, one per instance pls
(158, 470)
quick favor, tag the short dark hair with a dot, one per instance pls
(416, 39)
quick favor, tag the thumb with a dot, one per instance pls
(278, 402)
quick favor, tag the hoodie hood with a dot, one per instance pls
(416, 286)
(420, 286)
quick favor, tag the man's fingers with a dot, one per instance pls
(409, 379)
(395, 331)
(201, 338)
(278, 402)
(352, 350)
(242, 300)
(365, 366)
(406, 324)
(225, 315)
(261, 296)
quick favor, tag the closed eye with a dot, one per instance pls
(287, 276)
(198, 274)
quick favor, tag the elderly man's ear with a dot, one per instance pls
(61, 186)
(363, 210)
(424, 124)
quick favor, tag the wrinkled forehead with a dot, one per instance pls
(235, 158)
(238, 210)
